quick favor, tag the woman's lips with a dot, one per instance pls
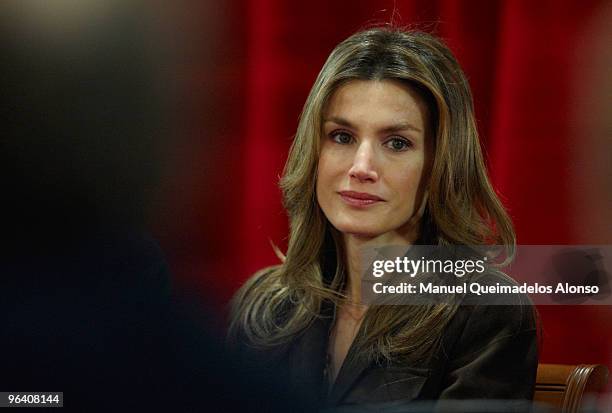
(359, 199)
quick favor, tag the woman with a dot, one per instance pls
(386, 153)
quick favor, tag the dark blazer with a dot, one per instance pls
(486, 352)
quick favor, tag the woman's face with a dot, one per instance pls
(373, 157)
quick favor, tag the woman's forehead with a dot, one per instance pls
(381, 104)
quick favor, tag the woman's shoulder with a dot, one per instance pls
(263, 275)
(496, 309)
(261, 278)
(252, 295)
(491, 334)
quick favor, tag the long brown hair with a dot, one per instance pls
(278, 303)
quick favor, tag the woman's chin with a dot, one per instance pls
(359, 230)
(383, 234)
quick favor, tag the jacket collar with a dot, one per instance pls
(353, 366)
(308, 363)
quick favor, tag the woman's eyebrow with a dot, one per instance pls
(339, 121)
(401, 126)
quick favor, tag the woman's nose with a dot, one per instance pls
(363, 168)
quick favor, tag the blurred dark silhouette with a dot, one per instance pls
(87, 306)
(578, 267)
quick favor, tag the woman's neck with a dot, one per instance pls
(354, 247)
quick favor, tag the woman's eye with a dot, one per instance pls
(341, 137)
(398, 144)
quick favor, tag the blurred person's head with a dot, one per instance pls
(84, 116)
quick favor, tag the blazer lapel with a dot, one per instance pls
(352, 368)
(308, 358)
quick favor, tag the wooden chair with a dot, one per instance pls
(564, 385)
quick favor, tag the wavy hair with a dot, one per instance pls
(279, 302)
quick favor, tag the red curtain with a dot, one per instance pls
(537, 71)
